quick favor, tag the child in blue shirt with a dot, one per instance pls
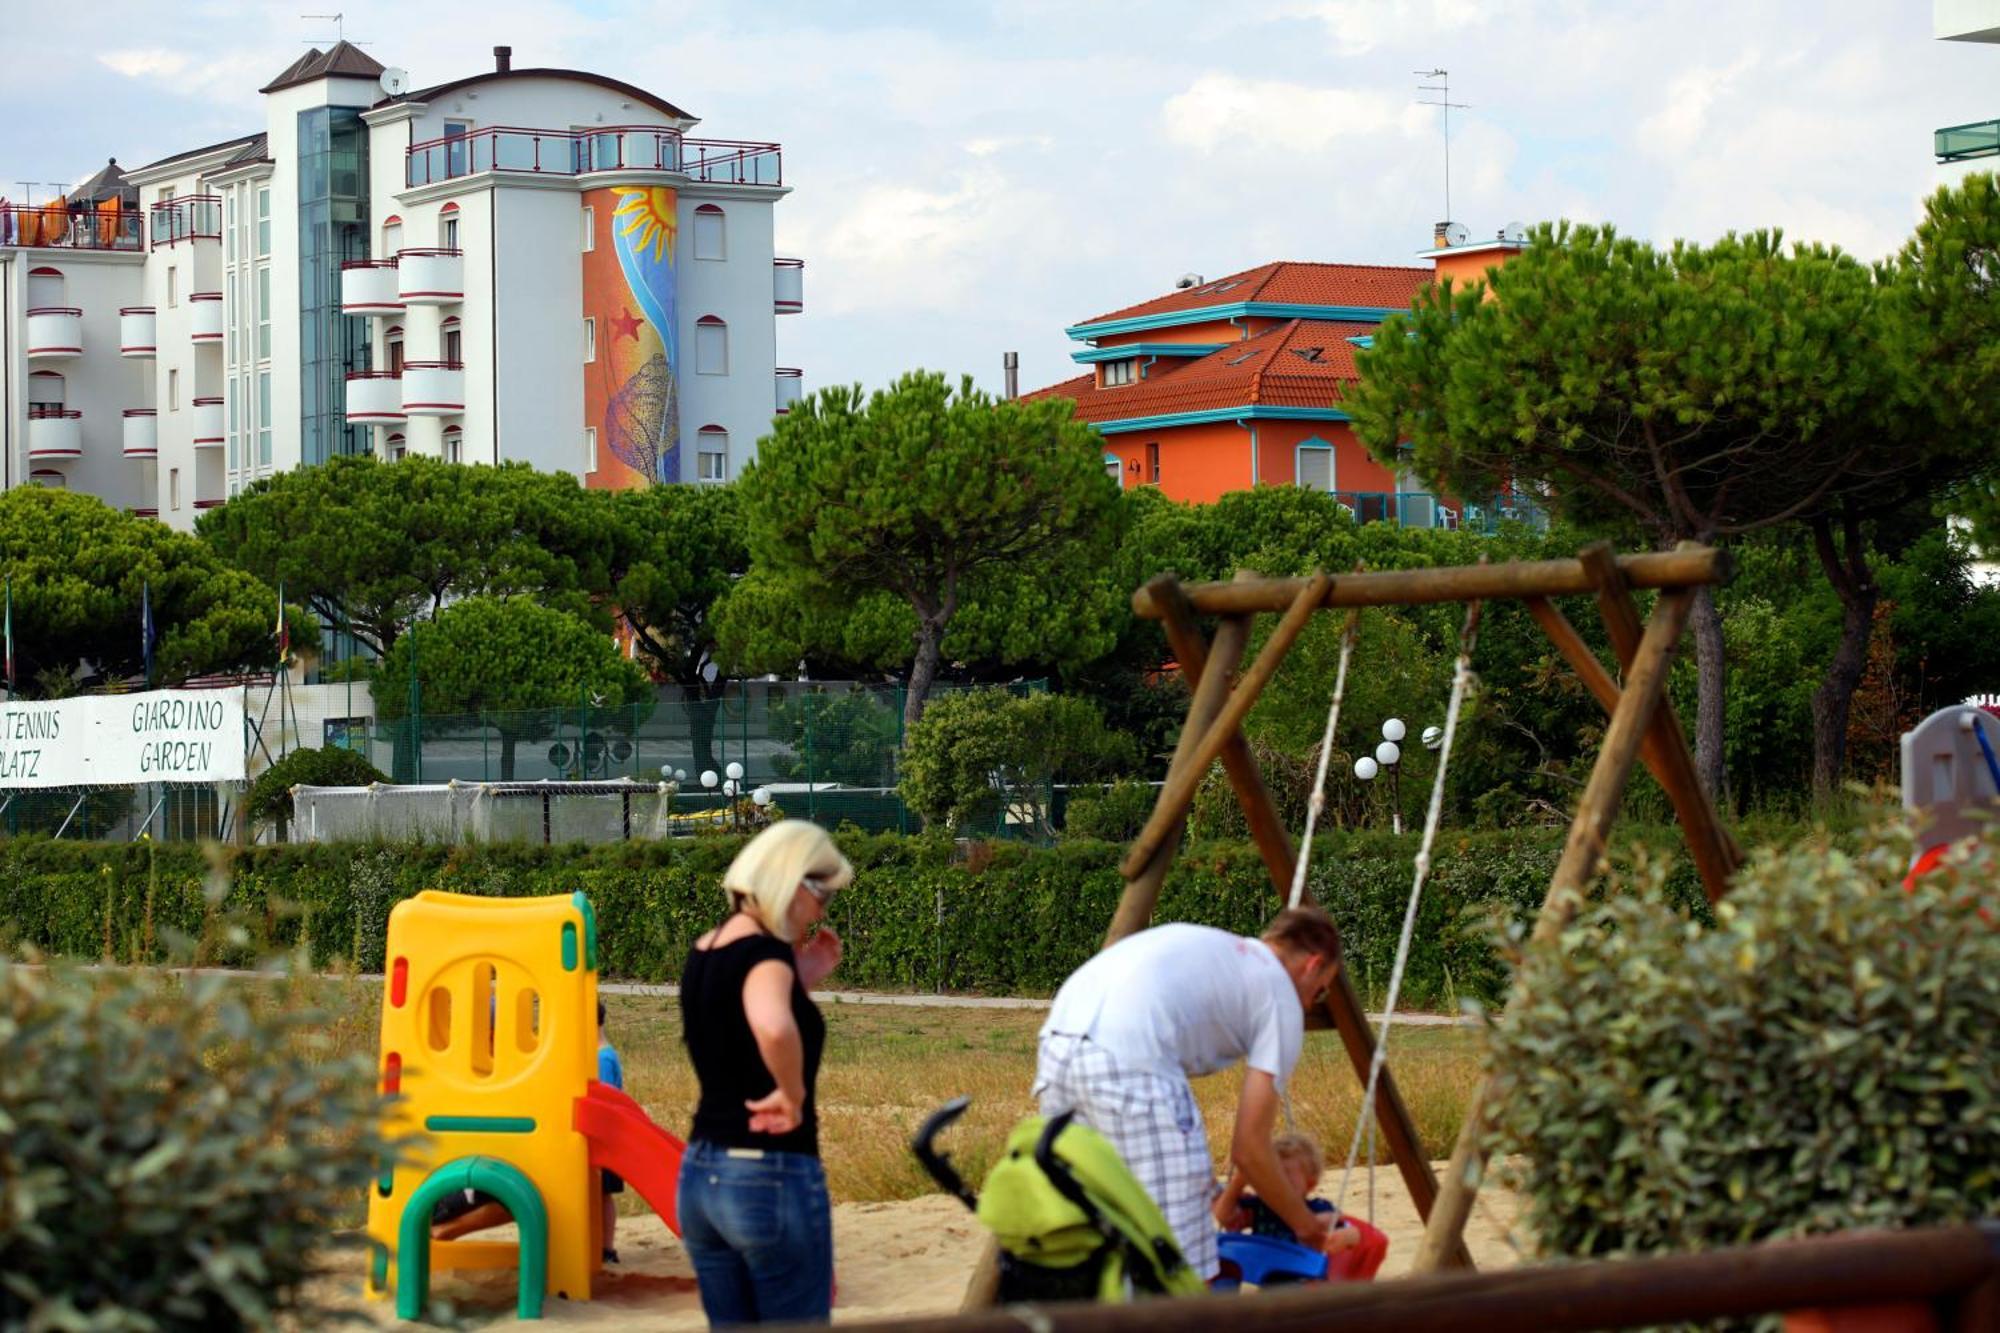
(611, 1073)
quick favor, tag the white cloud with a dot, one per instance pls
(152, 63)
(1229, 112)
(1358, 27)
(1677, 126)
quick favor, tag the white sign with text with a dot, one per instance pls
(123, 739)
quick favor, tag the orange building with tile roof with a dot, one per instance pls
(1237, 382)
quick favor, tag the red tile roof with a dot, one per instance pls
(1292, 283)
(1301, 363)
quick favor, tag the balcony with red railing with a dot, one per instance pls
(791, 386)
(433, 388)
(55, 432)
(138, 331)
(52, 228)
(55, 331)
(551, 152)
(430, 275)
(142, 432)
(368, 287)
(788, 286)
(194, 217)
(375, 397)
(205, 317)
(208, 423)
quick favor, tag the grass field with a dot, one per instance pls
(887, 1067)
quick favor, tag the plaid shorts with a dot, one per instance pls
(1153, 1122)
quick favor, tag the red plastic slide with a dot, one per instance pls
(624, 1139)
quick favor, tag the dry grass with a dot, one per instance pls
(887, 1067)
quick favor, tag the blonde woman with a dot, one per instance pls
(753, 1206)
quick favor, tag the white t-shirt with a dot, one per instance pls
(1182, 999)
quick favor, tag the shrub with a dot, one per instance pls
(1113, 813)
(1822, 1056)
(979, 751)
(270, 796)
(176, 1153)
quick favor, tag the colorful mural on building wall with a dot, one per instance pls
(631, 392)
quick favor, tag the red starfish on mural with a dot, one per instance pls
(625, 324)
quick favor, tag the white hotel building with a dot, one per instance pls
(525, 264)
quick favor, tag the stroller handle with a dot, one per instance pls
(937, 1163)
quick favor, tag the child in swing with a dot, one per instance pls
(1356, 1249)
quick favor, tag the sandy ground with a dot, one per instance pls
(891, 1259)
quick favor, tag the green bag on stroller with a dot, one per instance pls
(1071, 1220)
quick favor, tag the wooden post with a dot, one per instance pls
(1182, 780)
(1716, 854)
(1581, 854)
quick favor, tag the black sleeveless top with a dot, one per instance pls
(724, 1050)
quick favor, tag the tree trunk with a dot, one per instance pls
(1854, 583)
(930, 649)
(701, 711)
(1712, 684)
(507, 739)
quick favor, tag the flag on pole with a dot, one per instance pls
(146, 629)
(10, 638)
(284, 634)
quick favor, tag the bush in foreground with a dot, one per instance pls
(1825, 1055)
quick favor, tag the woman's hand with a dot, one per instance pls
(775, 1113)
(817, 956)
(1338, 1236)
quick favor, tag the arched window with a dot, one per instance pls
(451, 344)
(454, 444)
(392, 349)
(711, 239)
(395, 447)
(54, 481)
(448, 227)
(45, 287)
(711, 346)
(392, 236)
(711, 444)
(46, 389)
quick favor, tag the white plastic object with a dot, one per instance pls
(1365, 768)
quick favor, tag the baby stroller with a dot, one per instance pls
(1072, 1222)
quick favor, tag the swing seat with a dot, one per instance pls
(1265, 1261)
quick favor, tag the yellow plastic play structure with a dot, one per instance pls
(489, 1047)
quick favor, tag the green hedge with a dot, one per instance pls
(1012, 920)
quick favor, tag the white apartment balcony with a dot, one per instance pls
(138, 331)
(375, 397)
(433, 388)
(54, 433)
(55, 331)
(788, 286)
(205, 317)
(430, 276)
(142, 432)
(208, 423)
(791, 387)
(368, 287)
(192, 217)
(554, 152)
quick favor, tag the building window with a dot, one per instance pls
(452, 344)
(589, 338)
(264, 313)
(448, 230)
(589, 228)
(263, 418)
(711, 346)
(263, 222)
(173, 488)
(395, 449)
(712, 454)
(394, 341)
(173, 390)
(173, 286)
(711, 240)
(1153, 462)
(229, 225)
(1315, 467)
(590, 448)
(454, 445)
(1120, 372)
(1114, 468)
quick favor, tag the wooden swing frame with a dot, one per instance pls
(1642, 727)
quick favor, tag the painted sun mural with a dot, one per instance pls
(632, 394)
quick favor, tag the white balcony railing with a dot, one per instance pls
(54, 433)
(790, 385)
(55, 331)
(375, 397)
(553, 152)
(430, 276)
(208, 423)
(433, 388)
(368, 287)
(138, 331)
(142, 432)
(205, 317)
(788, 286)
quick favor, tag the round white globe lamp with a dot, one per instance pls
(1365, 769)
(1433, 738)
(734, 770)
(708, 778)
(762, 796)
(1388, 753)
(1393, 729)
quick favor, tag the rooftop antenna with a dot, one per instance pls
(1443, 90)
(339, 22)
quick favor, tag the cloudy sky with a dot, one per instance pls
(970, 177)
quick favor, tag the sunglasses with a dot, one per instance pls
(821, 891)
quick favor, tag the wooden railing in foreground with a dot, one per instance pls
(1955, 1271)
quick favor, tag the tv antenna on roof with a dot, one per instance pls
(1443, 90)
(339, 22)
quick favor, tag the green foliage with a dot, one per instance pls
(919, 521)
(1114, 812)
(674, 551)
(79, 569)
(511, 658)
(270, 796)
(1017, 924)
(978, 751)
(370, 546)
(177, 1153)
(849, 738)
(1819, 1057)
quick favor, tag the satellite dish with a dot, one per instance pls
(1514, 231)
(1456, 234)
(1187, 280)
(395, 82)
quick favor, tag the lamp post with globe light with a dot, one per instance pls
(1388, 757)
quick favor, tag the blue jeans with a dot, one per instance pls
(759, 1229)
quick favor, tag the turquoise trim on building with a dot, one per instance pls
(1353, 314)
(1258, 411)
(1093, 355)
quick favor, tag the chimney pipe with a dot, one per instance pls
(1011, 363)
(503, 59)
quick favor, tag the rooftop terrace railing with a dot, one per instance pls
(61, 228)
(580, 152)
